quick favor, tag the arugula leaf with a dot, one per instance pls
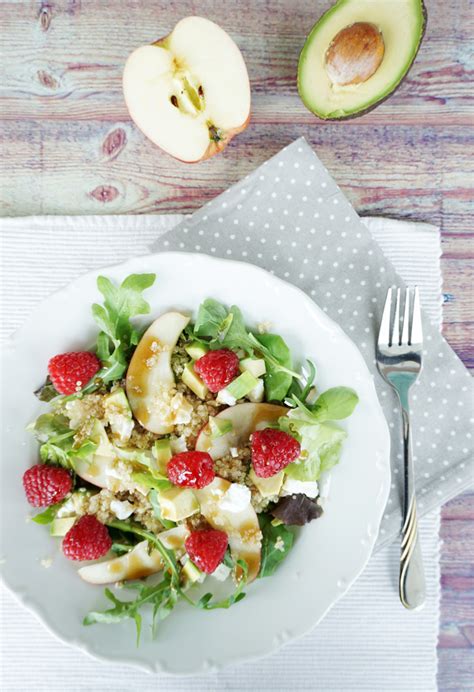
(118, 336)
(300, 392)
(335, 404)
(236, 335)
(120, 548)
(162, 596)
(211, 319)
(167, 555)
(155, 503)
(206, 603)
(46, 392)
(48, 515)
(277, 542)
(277, 381)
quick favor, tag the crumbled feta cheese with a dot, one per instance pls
(294, 487)
(236, 498)
(178, 444)
(264, 327)
(324, 484)
(76, 412)
(171, 406)
(68, 509)
(46, 562)
(234, 452)
(121, 425)
(221, 572)
(116, 472)
(279, 544)
(223, 397)
(121, 509)
(256, 395)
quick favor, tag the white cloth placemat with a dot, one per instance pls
(367, 642)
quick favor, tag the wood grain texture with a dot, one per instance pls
(68, 147)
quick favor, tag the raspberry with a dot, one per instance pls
(218, 368)
(88, 539)
(272, 451)
(45, 485)
(191, 469)
(70, 372)
(206, 548)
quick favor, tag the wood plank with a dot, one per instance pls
(454, 670)
(144, 179)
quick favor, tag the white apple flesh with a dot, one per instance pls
(242, 528)
(245, 419)
(150, 379)
(189, 92)
(139, 562)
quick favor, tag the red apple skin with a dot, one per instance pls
(214, 147)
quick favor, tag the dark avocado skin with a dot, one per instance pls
(352, 116)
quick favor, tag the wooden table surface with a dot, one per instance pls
(69, 148)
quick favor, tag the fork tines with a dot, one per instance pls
(411, 332)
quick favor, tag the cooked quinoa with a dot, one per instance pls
(202, 410)
(234, 468)
(179, 358)
(99, 505)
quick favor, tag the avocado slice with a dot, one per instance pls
(357, 54)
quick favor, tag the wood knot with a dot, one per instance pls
(114, 143)
(47, 79)
(45, 16)
(104, 193)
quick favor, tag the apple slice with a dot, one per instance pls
(138, 563)
(245, 419)
(189, 92)
(95, 468)
(150, 380)
(242, 528)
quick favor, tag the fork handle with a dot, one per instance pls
(412, 576)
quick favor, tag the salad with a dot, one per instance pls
(188, 451)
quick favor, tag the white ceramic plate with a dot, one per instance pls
(328, 554)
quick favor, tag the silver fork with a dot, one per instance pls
(399, 360)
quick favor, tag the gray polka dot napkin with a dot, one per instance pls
(291, 218)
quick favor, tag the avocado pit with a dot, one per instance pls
(355, 54)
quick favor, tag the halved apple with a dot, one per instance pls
(242, 528)
(245, 419)
(139, 562)
(189, 92)
(150, 379)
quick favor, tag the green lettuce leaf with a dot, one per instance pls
(57, 441)
(321, 445)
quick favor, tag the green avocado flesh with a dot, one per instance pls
(401, 23)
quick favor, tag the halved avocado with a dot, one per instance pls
(356, 55)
